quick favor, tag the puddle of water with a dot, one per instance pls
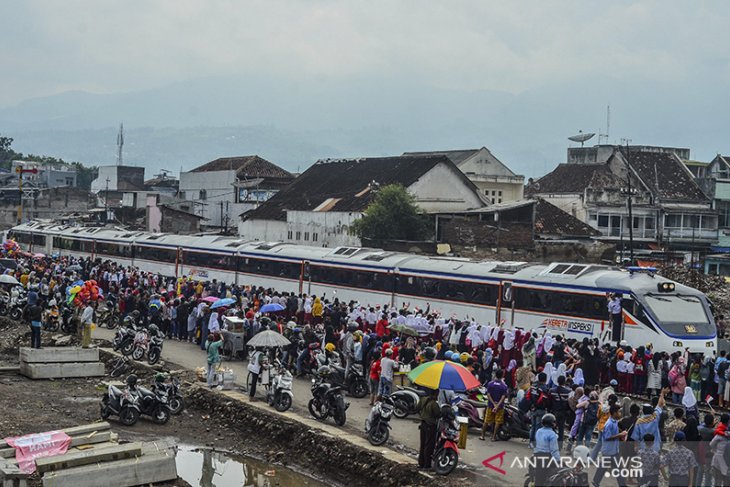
(203, 467)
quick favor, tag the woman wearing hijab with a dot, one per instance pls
(558, 372)
(689, 401)
(548, 370)
(654, 375)
(510, 375)
(676, 379)
(578, 378)
(529, 353)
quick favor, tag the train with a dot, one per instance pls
(563, 298)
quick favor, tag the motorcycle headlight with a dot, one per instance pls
(314, 381)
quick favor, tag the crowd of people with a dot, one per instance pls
(573, 390)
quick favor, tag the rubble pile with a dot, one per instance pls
(336, 458)
(715, 287)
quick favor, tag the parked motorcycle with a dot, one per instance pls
(175, 400)
(406, 401)
(121, 403)
(516, 424)
(124, 337)
(154, 348)
(153, 404)
(69, 322)
(377, 424)
(355, 383)
(141, 341)
(446, 453)
(573, 476)
(470, 410)
(280, 393)
(108, 316)
(327, 399)
(18, 301)
(52, 318)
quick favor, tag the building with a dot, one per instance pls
(321, 204)
(494, 179)
(46, 175)
(165, 215)
(668, 207)
(162, 185)
(229, 186)
(716, 185)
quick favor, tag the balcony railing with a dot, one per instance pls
(689, 233)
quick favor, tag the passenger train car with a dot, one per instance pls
(561, 297)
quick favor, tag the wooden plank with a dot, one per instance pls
(147, 469)
(87, 457)
(62, 370)
(58, 355)
(88, 439)
(83, 429)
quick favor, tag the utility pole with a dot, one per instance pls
(221, 214)
(628, 193)
(20, 172)
(106, 202)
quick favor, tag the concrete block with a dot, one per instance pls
(89, 439)
(88, 457)
(11, 475)
(147, 469)
(58, 355)
(83, 430)
(62, 370)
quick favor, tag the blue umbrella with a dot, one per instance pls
(223, 302)
(271, 308)
(155, 302)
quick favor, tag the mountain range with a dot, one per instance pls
(295, 122)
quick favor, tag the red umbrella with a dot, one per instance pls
(210, 299)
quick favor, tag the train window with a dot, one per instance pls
(156, 254)
(573, 304)
(533, 299)
(38, 239)
(212, 261)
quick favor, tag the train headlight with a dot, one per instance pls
(665, 287)
(676, 344)
(709, 344)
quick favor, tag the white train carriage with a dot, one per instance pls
(560, 297)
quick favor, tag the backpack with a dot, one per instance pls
(722, 369)
(673, 376)
(590, 416)
(537, 397)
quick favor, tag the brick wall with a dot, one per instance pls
(471, 233)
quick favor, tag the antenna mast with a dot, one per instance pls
(608, 126)
(120, 144)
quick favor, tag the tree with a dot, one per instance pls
(393, 215)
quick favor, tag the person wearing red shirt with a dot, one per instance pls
(381, 327)
(374, 380)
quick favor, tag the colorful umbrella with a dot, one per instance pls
(271, 308)
(441, 374)
(223, 302)
(210, 299)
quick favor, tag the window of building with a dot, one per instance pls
(289, 234)
(315, 237)
(592, 217)
(603, 221)
(493, 192)
(673, 221)
(299, 236)
(203, 195)
(499, 193)
(182, 195)
(306, 236)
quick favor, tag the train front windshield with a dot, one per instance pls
(681, 314)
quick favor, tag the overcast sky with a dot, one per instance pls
(47, 47)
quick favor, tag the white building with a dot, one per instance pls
(226, 187)
(319, 207)
(494, 179)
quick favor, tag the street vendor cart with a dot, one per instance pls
(234, 338)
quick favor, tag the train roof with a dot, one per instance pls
(559, 273)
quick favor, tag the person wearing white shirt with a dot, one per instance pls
(213, 325)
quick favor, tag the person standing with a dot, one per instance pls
(538, 403)
(494, 414)
(679, 462)
(87, 320)
(214, 358)
(547, 453)
(706, 431)
(430, 412)
(610, 437)
(387, 368)
(254, 367)
(648, 423)
(615, 311)
(560, 395)
(33, 313)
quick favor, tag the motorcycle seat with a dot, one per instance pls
(116, 390)
(478, 404)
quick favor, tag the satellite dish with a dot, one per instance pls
(581, 137)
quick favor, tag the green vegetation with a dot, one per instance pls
(393, 215)
(84, 174)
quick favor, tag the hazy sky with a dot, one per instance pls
(47, 47)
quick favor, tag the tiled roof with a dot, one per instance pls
(344, 185)
(456, 156)
(665, 176)
(574, 178)
(246, 166)
(551, 220)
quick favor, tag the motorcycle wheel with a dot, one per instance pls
(52, 326)
(340, 416)
(16, 314)
(128, 416)
(358, 389)
(161, 415)
(177, 404)
(401, 410)
(379, 434)
(529, 482)
(315, 409)
(119, 368)
(112, 322)
(445, 461)
(138, 353)
(153, 356)
(4, 310)
(503, 433)
(105, 413)
(283, 404)
(127, 348)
